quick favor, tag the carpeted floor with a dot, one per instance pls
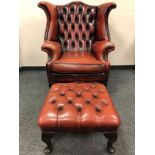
(33, 89)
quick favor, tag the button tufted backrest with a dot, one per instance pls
(76, 23)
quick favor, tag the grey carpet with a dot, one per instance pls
(33, 89)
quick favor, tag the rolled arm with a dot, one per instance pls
(53, 49)
(101, 49)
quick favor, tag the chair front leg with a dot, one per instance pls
(112, 137)
(46, 138)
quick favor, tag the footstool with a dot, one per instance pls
(78, 107)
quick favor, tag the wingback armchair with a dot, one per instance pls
(77, 42)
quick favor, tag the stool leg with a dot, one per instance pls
(46, 138)
(112, 137)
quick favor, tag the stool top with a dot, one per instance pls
(78, 106)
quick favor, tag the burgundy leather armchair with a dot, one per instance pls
(77, 42)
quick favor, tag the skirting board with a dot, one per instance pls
(42, 68)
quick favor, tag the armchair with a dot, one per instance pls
(77, 42)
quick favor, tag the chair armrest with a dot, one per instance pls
(53, 49)
(101, 49)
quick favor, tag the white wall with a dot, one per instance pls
(32, 27)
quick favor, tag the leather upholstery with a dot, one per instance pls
(102, 29)
(77, 27)
(101, 49)
(51, 32)
(53, 49)
(78, 107)
(78, 62)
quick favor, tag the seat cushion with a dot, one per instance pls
(78, 107)
(77, 62)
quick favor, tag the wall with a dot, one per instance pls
(32, 27)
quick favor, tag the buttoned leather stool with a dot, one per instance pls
(78, 107)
